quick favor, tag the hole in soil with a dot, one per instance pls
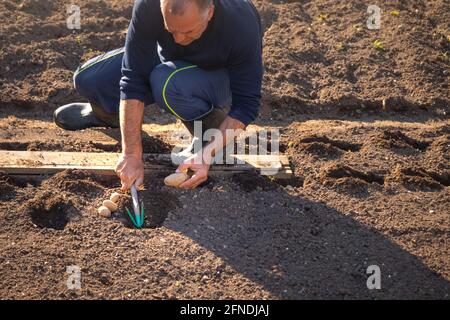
(53, 218)
(51, 213)
(157, 205)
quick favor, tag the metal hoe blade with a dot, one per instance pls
(138, 217)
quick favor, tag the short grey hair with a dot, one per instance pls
(177, 7)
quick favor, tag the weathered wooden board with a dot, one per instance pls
(47, 162)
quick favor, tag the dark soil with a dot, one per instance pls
(366, 130)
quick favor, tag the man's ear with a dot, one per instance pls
(211, 12)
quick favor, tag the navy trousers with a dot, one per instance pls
(181, 88)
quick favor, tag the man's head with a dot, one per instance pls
(186, 19)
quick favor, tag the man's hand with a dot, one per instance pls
(130, 168)
(195, 163)
(201, 161)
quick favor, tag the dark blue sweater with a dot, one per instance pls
(232, 40)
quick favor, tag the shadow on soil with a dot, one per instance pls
(297, 249)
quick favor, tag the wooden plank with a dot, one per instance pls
(47, 162)
(52, 158)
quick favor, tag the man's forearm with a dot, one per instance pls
(131, 116)
(230, 129)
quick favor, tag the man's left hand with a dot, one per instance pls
(199, 165)
(201, 161)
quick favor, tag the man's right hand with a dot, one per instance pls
(130, 168)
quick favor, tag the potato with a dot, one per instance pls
(175, 179)
(110, 205)
(104, 212)
(115, 197)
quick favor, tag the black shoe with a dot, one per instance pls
(78, 116)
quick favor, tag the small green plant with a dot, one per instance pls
(395, 13)
(322, 17)
(378, 45)
(78, 40)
